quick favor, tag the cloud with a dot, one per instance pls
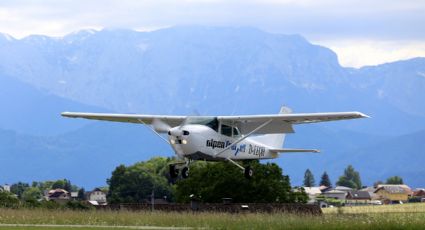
(358, 53)
(325, 20)
(315, 19)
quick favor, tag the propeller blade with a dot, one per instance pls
(160, 126)
(184, 122)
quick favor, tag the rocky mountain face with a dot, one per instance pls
(211, 70)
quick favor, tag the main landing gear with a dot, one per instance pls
(175, 169)
(183, 170)
(248, 172)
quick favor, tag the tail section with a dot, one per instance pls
(274, 140)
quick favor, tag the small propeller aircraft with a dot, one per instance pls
(223, 138)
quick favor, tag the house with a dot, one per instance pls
(358, 197)
(419, 193)
(5, 188)
(343, 188)
(59, 195)
(390, 193)
(74, 195)
(96, 195)
(335, 194)
(371, 190)
(312, 193)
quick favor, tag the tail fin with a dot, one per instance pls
(274, 140)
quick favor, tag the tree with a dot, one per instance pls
(58, 184)
(8, 200)
(324, 180)
(308, 178)
(81, 194)
(135, 183)
(31, 194)
(350, 178)
(394, 180)
(63, 184)
(19, 188)
(212, 181)
(67, 185)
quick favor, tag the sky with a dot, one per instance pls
(361, 32)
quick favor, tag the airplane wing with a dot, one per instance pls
(277, 123)
(282, 123)
(129, 118)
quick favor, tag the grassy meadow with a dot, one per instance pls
(406, 216)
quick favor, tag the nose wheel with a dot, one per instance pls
(175, 169)
(174, 172)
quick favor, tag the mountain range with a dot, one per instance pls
(206, 70)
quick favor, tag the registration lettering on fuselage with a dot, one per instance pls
(256, 150)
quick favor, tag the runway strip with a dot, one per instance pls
(91, 226)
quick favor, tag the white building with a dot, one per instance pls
(312, 193)
(5, 188)
(96, 195)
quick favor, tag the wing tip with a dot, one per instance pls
(66, 114)
(362, 115)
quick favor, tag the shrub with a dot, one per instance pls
(77, 205)
(8, 200)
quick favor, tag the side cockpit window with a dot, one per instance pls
(230, 131)
(226, 130)
(213, 124)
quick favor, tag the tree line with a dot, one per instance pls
(350, 178)
(208, 182)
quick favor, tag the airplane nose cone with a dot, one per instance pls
(175, 132)
(178, 132)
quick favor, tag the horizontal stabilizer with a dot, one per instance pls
(295, 150)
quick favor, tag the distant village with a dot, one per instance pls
(325, 196)
(96, 197)
(374, 195)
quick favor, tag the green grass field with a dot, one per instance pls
(406, 216)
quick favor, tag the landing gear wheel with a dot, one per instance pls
(173, 171)
(185, 172)
(248, 172)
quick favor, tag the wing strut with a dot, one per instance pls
(154, 131)
(244, 137)
(235, 163)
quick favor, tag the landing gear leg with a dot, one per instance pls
(248, 172)
(174, 172)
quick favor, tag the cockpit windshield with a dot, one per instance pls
(211, 122)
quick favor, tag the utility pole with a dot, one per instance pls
(153, 199)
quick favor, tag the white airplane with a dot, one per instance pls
(226, 138)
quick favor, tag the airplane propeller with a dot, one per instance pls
(160, 126)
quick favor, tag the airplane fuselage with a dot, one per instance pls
(200, 142)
